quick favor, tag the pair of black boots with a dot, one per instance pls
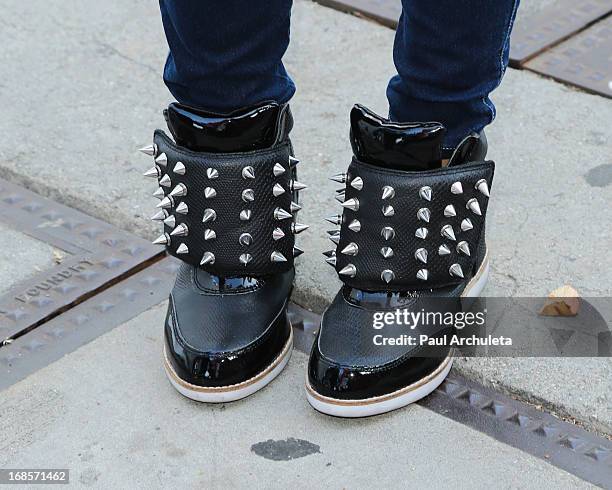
(410, 238)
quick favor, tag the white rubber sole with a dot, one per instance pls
(230, 393)
(404, 396)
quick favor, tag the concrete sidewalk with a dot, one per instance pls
(82, 90)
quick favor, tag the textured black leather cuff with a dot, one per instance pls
(229, 213)
(405, 230)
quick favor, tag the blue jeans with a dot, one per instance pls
(449, 55)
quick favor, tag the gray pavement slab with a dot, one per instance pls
(107, 413)
(92, 72)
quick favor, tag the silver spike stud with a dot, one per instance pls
(340, 198)
(335, 238)
(182, 249)
(245, 215)
(209, 215)
(150, 150)
(281, 214)
(245, 239)
(483, 187)
(340, 178)
(293, 161)
(466, 224)
(179, 191)
(161, 215)
(463, 247)
(421, 255)
(355, 225)
(278, 169)
(388, 211)
(388, 233)
(357, 183)
(352, 204)
(210, 192)
(422, 274)
(248, 172)
(456, 270)
(179, 168)
(447, 232)
(350, 249)
(424, 214)
(425, 193)
(457, 188)
(387, 275)
(166, 202)
(386, 252)
(294, 185)
(350, 271)
(297, 251)
(449, 211)
(330, 253)
(331, 260)
(473, 206)
(294, 207)
(277, 234)
(209, 234)
(421, 233)
(162, 160)
(388, 192)
(153, 173)
(170, 221)
(159, 193)
(248, 195)
(277, 190)
(207, 258)
(334, 219)
(298, 228)
(212, 173)
(165, 181)
(162, 240)
(443, 250)
(180, 230)
(182, 208)
(245, 259)
(277, 257)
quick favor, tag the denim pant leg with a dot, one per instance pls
(226, 54)
(449, 55)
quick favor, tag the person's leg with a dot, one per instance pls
(449, 56)
(225, 55)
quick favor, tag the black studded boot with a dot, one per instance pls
(228, 196)
(411, 239)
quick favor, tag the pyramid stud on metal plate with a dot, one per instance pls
(388, 233)
(331, 260)
(212, 173)
(245, 259)
(425, 192)
(388, 192)
(248, 172)
(182, 249)
(456, 270)
(170, 221)
(179, 168)
(161, 215)
(422, 274)
(340, 178)
(464, 248)
(388, 211)
(210, 192)
(447, 232)
(166, 202)
(162, 160)
(294, 207)
(334, 219)
(182, 208)
(357, 183)
(277, 190)
(298, 228)
(350, 271)
(355, 225)
(387, 275)
(421, 233)
(277, 234)
(179, 191)
(424, 214)
(421, 255)
(352, 204)
(159, 193)
(245, 215)
(443, 250)
(153, 173)
(165, 181)
(386, 252)
(350, 249)
(180, 230)
(162, 240)
(245, 239)
(209, 234)
(473, 206)
(294, 185)
(278, 169)
(483, 187)
(457, 188)
(449, 211)
(277, 257)
(293, 161)
(150, 150)
(209, 215)
(281, 214)
(248, 195)
(297, 251)
(207, 258)
(466, 224)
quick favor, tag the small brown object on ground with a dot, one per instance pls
(563, 301)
